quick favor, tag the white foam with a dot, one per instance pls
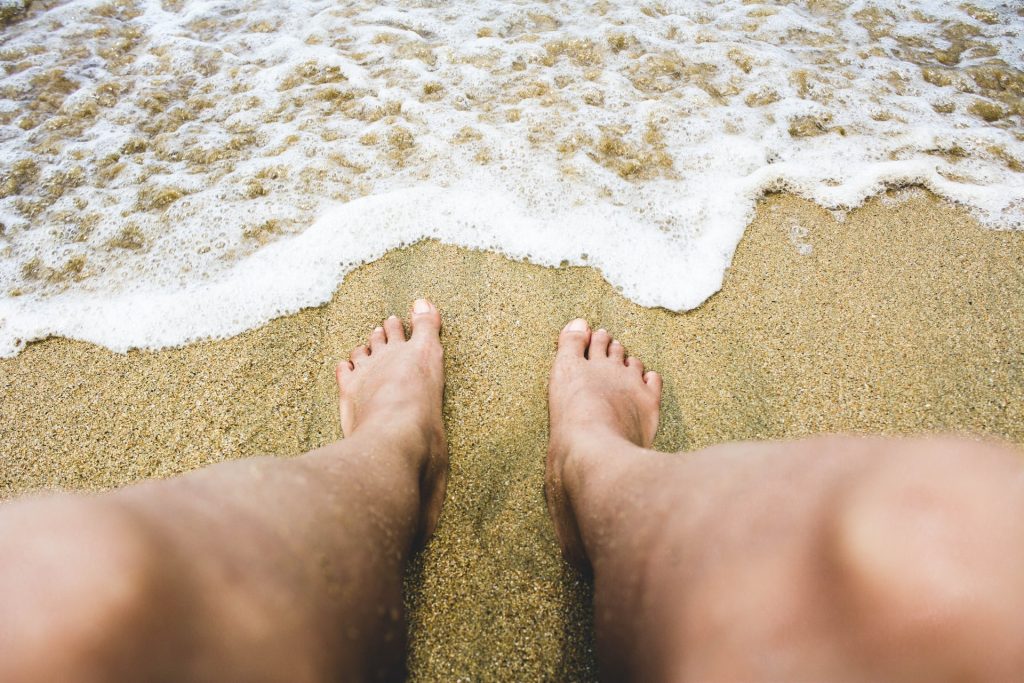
(632, 138)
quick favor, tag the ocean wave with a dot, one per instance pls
(172, 170)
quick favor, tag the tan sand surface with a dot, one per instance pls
(906, 317)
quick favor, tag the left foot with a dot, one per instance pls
(395, 386)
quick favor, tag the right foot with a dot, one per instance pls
(597, 396)
(393, 389)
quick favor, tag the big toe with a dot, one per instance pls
(573, 339)
(426, 320)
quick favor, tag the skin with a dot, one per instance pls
(832, 559)
(838, 559)
(263, 569)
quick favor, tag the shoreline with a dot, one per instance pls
(903, 318)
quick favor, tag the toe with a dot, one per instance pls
(359, 354)
(653, 380)
(617, 351)
(377, 338)
(634, 363)
(599, 344)
(573, 339)
(426, 320)
(343, 370)
(394, 330)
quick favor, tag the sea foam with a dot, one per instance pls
(175, 170)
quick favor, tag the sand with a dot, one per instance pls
(906, 317)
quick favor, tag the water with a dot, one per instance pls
(175, 170)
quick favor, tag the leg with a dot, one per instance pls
(826, 559)
(257, 569)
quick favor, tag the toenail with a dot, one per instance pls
(601, 330)
(378, 329)
(577, 325)
(420, 306)
(392, 317)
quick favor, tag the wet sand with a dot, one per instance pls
(904, 318)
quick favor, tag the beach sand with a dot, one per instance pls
(906, 317)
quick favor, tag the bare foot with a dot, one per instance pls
(596, 394)
(393, 389)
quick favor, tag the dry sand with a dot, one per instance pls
(904, 318)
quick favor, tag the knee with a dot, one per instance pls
(927, 547)
(74, 582)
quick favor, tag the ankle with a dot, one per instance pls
(592, 459)
(583, 443)
(410, 441)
